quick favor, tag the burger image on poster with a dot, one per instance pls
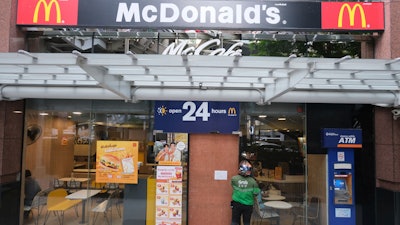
(110, 162)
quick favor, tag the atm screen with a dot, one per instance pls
(340, 184)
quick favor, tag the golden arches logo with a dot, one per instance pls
(351, 12)
(231, 111)
(47, 10)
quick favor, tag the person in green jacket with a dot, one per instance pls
(245, 188)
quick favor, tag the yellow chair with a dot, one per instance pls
(57, 203)
(96, 185)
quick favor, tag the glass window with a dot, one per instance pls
(274, 142)
(62, 152)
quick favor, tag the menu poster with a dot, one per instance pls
(169, 173)
(169, 195)
(116, 162)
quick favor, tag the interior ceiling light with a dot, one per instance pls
(282, 118)
(17, 111)
(77, 113)
(43, 114)
(262, 116)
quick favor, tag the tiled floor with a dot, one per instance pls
(285, 218)
(70, 217)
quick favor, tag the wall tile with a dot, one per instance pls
(2, 118)
(396, 160)
(396, 131)
(384, 162)
(12, 152)
(14, 126)
(383, 126)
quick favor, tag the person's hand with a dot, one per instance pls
(163, 153)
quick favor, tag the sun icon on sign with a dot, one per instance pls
(162, 110)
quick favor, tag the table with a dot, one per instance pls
(292, 187)
(274, 198)
(84, 170)
(278, 204)
(78, 165)
(289, 179)
(66, 179)
(76, 179)
(83, 195)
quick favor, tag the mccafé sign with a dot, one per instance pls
(183, 48)
(192, 14)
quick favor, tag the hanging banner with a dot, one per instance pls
(116, 162)
(189, 14)
(169, 195)
(196, 117)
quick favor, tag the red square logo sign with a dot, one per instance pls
(352, 16)
(47, 12)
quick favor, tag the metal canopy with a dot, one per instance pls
(134, 77)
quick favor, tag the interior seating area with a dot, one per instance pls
(57, 203)
(52, 207)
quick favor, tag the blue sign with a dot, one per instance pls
(341, 138)
(196, 117)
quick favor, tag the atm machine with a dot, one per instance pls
(341, 144)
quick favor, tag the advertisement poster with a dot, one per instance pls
(172, 152)
(116, 162)
(169, 195)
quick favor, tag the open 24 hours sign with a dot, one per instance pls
(196, 117)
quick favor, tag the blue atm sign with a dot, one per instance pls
(341, 138)
(196, 117)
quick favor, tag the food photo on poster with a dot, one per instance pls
(117, 162)
(169, 194)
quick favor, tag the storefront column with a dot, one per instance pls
(367, 50)
(11, 38)
(11, 139)
(387, 150)
(388, 44)
(209, 198)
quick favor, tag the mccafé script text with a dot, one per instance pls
(183, 49)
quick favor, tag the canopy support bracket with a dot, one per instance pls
(112, 83)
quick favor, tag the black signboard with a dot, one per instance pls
(202, 15)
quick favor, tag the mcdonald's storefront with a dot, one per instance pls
(97, 124)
